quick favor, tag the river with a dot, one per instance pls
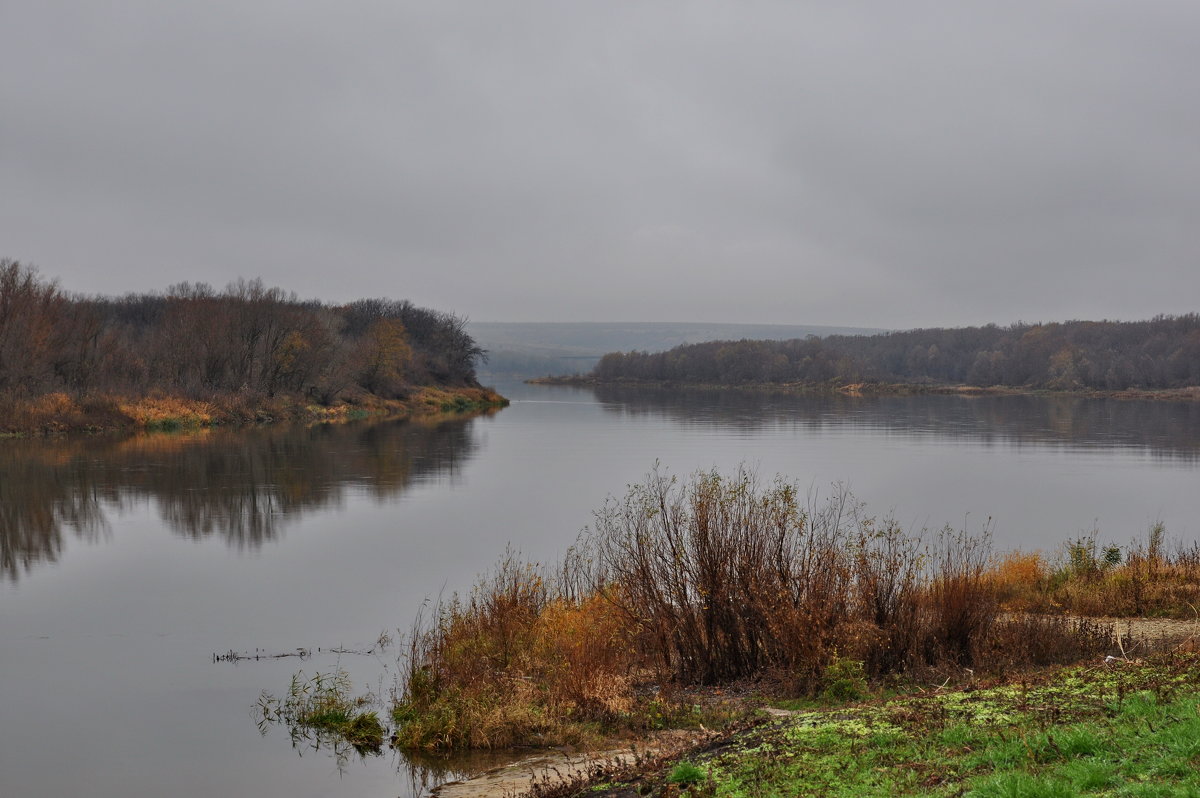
(126, 563)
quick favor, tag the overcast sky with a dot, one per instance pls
(887, 164)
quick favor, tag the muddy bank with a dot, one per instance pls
(547, 768)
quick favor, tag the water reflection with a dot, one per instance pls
(424, 770)
(240, 486)
(1162, 429)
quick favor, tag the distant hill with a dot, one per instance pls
(537, 349)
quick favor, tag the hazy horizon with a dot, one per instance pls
(865, 329)
(870, 164)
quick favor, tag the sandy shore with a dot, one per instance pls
(554, 766)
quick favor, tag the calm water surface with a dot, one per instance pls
(126, 563)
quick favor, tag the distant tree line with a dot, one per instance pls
(192, 340)
(1163, 352)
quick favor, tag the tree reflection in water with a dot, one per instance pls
(1163, 429)
(241, 486)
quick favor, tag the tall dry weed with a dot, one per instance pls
(517, 662)
(961, 599)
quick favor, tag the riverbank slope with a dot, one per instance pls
(59, 413)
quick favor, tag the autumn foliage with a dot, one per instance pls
(516, 662)
(190, 350)
(1157, 354)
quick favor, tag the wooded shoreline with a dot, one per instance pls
(60, 414)
(880, 388)
(195, 356)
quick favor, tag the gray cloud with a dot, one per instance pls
(880, 164)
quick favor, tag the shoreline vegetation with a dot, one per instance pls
(806, 647)
(59, 413)
(880, 388)
(1154, 359)
(718, 580)
(193, 356)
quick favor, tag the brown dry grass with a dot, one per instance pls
(441, 400)
(49, 413)
(57, 413)
(158, 411)
(1018, 576)
(1145, 578)
(514, 663)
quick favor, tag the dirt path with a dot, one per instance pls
(1159, 632)
(554, 766)
(515, 778)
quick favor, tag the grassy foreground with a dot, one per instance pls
(1130, 728)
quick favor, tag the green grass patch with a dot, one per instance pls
(686, 773)
(459, 404)
(322, 707)
(1125, 731)
(463, 404)
(845, 680)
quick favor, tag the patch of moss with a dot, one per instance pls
(1076, 731)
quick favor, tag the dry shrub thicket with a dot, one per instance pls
(712, 580)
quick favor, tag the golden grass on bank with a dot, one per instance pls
(514, 664)
(168, 411)
(56, 413)
(1019, 579)
(59, 412)
(44, 414)
(431, 399)
(1148, 577)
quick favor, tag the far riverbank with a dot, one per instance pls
(871, 388)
